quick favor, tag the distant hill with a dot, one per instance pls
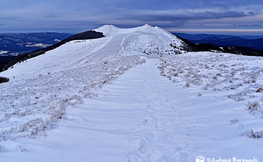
(225, 40)
(7, 61)
(14, 44)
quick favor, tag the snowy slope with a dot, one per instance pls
(133, 95)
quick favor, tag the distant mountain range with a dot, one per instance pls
(17, 43)
(254, 42)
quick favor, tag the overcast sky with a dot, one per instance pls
(73, 16)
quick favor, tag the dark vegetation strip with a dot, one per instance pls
(3, 80)
(195, 47)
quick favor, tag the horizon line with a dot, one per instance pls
(215, 30)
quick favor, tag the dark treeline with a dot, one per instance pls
(196, 47)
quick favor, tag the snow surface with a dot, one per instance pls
(3, 52)
(133, 95)
(30, 44)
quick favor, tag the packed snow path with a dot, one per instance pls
(142, 116)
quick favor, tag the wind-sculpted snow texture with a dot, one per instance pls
(40, 102)
(240, 76)
(134, 95)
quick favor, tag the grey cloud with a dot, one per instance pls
(8, 18)
(219, 15)
(248, 26)
(50, 16)
(221, 5)
(68, 15)
(182, 16)
(252, 13)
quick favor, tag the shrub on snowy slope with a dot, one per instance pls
(4, 60)
(3, 79)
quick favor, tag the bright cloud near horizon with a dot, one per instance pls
(189, 16)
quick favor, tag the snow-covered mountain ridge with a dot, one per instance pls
(118, 42)
(152, 40)
(133, 95)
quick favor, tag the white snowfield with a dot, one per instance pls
(30, 44)
(3, 52)
(132, 96)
